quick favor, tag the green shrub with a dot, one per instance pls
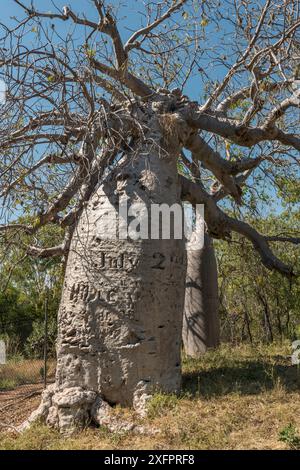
(290, 436)
(160, 404)
(7, 384)
(34, 346)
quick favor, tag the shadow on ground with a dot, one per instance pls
(245, 377)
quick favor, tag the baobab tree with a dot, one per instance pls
(96, 113)
(201, 323)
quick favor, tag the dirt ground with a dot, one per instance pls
(233, 398)
(16, 405)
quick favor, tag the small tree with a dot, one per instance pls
(255, 305)
(92, 117)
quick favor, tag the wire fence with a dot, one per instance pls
(26, 354)
(25, 372)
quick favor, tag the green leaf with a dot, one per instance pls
(91, 53)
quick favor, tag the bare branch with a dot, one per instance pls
(136, 85)
(221, 168)
(51, 252)
(283, 239)
(219, 193)
(131, 43)
(280, 109)
(48, 159)
(240, 61)
(240, 134)
(246, 92)
(220, 225)
(16, 227)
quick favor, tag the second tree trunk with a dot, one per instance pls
(201, 329)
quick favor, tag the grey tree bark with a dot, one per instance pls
(201, 328)
(120, 318)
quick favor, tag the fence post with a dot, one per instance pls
(46, 337)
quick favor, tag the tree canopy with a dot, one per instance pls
(222, 76)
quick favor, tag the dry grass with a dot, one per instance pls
(23, 371)
(233, 398)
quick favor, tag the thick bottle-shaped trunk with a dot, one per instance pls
(201, 329)
(120, 318)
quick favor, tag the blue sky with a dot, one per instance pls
(9, 8)
(129, 20)
(129, 15)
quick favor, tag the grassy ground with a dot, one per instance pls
(21, 371)
(233, 398)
